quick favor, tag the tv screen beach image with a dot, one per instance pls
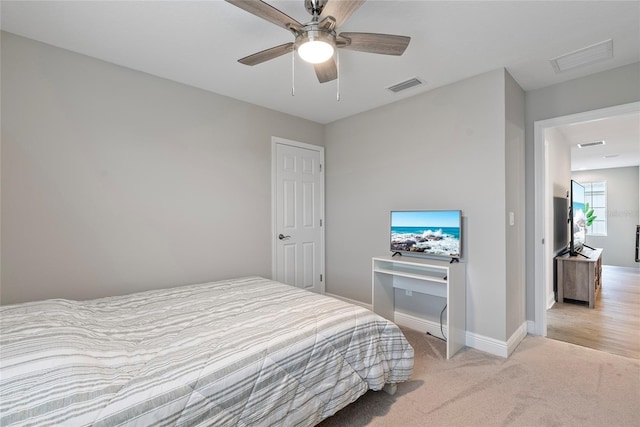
(426, 232)
(579, 225)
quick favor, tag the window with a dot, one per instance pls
(595, 193)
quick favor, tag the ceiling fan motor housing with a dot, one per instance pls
(315, 45)
(314, 7)
(317, 40)
(314, 33)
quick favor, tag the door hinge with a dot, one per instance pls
(321, 277)
(320, 223)
(320, 167)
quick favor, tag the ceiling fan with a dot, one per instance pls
(317, 40)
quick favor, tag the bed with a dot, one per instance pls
(241, 352)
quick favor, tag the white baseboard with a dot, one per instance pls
(349, 300)
(494, 346)
(516, 338)
(473, 340)
(531, 327)
(551, 300)
(422, 325)
(486, 344)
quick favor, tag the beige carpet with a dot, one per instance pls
(543, 383)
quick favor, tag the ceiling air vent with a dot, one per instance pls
(590, 144)
(405, 85)
(588, 55)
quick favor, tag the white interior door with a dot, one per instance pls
(298, 214)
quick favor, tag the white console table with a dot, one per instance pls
(425, 276)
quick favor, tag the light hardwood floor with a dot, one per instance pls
(613, 325)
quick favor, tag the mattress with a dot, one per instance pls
(241, 352)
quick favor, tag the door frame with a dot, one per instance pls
(542, 205)
(275, 141)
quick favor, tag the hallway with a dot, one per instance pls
(613, 325)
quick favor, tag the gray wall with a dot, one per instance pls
(444, 149)
(606, 89)
(514, 187)
(618, 247)
(558, 179)
(120, 181)
(115, 181)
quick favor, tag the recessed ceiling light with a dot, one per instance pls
(590, 144)
(610, 156)
(588, 55)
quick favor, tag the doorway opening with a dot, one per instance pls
(543, 263)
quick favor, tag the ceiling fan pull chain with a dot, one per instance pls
(338, 75)
(293, 73)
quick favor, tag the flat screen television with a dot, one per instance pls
(577, 218)
(427, 233)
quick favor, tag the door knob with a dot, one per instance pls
(282, 236)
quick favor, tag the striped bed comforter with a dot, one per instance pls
(242, 352)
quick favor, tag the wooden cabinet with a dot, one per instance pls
(429, 277)
(580, 276)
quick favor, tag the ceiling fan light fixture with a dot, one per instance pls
(315, 51)
(317, 40)
(315, 46)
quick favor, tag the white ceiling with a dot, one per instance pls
(199, 42)
(621, 135)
